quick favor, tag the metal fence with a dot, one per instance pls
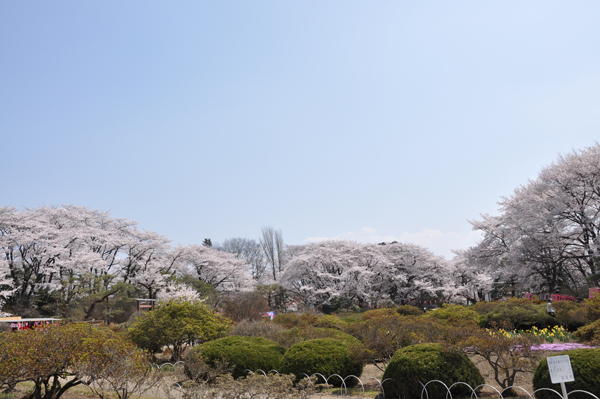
(175, 391)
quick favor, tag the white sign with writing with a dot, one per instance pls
(560, 369)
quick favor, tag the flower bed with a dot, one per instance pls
(559, 347)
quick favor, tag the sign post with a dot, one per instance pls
(560, 371)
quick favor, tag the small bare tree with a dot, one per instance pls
(127, 372)
(274, 249)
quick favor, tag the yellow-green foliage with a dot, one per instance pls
(408, 310)
(586, 372)
(589, 333)
(176, 323)
(520, 314)
(484, 308)
(350, 319)
(59, 357)
(426, 362)
(383, 336)
(383, 312)
(592, 307)
(452, 311)
(295, 335)
(329, 321)
(571, 315)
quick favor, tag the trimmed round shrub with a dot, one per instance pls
(326, 356)
(243, 353)
(586, 371)
(426, 362)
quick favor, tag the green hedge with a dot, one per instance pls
(326, 356)
(244, 353)
(586, 371)
(426, 362)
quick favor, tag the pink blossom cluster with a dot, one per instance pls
(560, 347)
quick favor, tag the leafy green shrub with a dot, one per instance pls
(520, 314)
(292, 336)
(176, 323)
(589, 333)
(586, 370)
(452, 311)
(426, 362)
(592, 307)
(326, 356)
(409, 310)
(570, 315)
(243, 353)
(329, 321)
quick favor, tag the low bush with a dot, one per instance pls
(408, 310)
(289, 320)
(329, 321)
(589, 333)
(570, 315)
(456, 312)
(384, 312)
(592, 308)
(520, 314)
(292, 336)
(352, 318)
(242, 353)
(484, 307)
(246, 306)
(326, 356)
(257, 328)
(586, 371)
(426, 362)
(383, 336)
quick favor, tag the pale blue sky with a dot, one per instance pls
(349, 119)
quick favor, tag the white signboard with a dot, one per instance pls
(560, 369)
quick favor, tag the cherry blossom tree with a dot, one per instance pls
(547, 236)
(70, 252)
(248, 250)
(221, 269)
(320, 272)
